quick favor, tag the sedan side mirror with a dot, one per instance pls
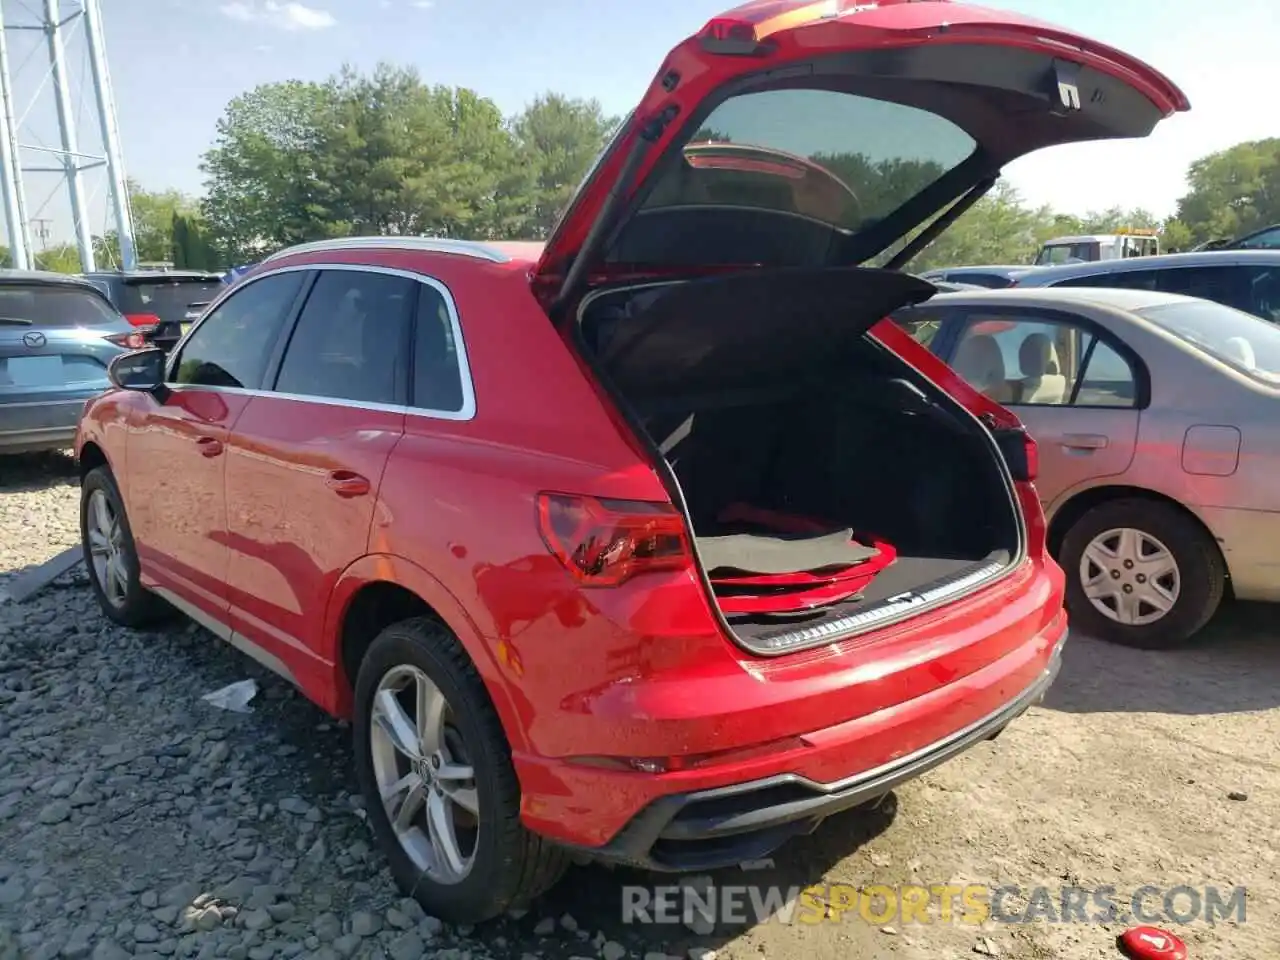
(140, 370)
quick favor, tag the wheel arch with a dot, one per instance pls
(91, 457)
(378, 590)
(1076, 506)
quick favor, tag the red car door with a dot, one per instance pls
(177, 445)
(307, 455)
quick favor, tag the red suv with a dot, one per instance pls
(650, 542)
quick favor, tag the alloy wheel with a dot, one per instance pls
(424, 775)
(106, 548)
(1129, 576)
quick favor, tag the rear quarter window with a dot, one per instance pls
(55, 307)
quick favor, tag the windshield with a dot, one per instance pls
(1056, 253)
(54, 306)
(787, 173)
(170, 300)
(1243, 342)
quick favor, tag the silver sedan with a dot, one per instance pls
(1157, 421)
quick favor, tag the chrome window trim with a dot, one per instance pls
(465, 248)
(468, 409)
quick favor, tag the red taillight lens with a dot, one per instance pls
(130, 341)
(1033, 457)
(142, 319)
(603, 543)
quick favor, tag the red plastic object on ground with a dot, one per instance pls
(1151, 943)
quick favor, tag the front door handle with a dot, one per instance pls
(209, 446)
(1084, 441)
(347, 484)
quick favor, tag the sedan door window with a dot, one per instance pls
(1035, 362)
(232, 345)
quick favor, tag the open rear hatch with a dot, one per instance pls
(830, 485)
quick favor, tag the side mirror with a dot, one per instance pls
(140, 370)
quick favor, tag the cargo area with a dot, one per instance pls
(828, 486)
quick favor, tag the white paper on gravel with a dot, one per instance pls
(234, 697)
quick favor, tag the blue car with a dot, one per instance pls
(57, 335)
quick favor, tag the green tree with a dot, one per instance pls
(1233, 191)
(61, 258)
(192, 249)
(263, 171)
(557, 138)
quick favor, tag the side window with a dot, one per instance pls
(921, 325)
(350, 339)
(1264, 293)
(437, 369)
(1225, 285)
(233, 344)
(1038, 363)
(1128, 279)
(1108, 380)
(1266, 240)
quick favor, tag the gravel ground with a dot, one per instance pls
(136, 820)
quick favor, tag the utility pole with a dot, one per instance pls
(40, 230)
(67, 26)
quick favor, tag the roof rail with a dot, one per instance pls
(465, 248)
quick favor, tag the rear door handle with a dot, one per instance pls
(1084, 441)
(347, 484)
(209, 446)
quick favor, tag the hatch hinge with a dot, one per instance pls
(1064, 98)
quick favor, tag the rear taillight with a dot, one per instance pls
(142, 319)
(603, 543)
(1032, 453)
(130, 341)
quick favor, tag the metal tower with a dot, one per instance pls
(80, 23)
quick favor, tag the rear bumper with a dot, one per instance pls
(28, 427)
(710, 829)
(1248, 539)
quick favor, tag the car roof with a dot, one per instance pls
(985, 268)
(153, 275)
(1115, 298)
(1168, 261)
(45, 278)
(502, 251)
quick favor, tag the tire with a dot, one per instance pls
(508, 865)
(1200, 573)
(128, 602)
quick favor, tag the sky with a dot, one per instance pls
(176, 63)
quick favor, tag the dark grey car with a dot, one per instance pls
(165, 302)
(57, 335)
(1248, 280)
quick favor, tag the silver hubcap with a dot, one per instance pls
(1129, 576)
(105, 549)
(424, 776)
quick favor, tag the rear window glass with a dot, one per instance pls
(170, 300)
(50, 306)
(832, 159)
(1243, 342)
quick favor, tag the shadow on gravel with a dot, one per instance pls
(1233, 666)
(311, 758)
(36, 471)
(597, 897)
